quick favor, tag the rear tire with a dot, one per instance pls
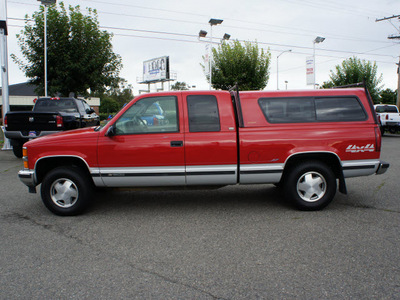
(17, 150)
(382, 131)
(66, 191)
(310, 185)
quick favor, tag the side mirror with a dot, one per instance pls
(111, 131)
(89, 111)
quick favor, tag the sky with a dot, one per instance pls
(149, 29)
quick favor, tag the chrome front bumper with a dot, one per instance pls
(382, 168)
(27, 177)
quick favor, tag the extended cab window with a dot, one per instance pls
(309, 109)
(203, 113)
(150, 115)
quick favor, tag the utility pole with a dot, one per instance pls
(46, 3)
(4, 65)
(394, 37)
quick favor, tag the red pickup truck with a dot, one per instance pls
(302, 141)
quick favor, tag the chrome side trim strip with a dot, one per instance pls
(355, 168)
(96, 177)
(211, 175)
(141, 176)
(191, 175)
(261, 173)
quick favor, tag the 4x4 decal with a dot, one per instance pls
(356, 149)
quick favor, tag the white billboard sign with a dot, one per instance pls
(156, 69)
(310, 69)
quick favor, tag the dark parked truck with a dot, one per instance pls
(305, 142)
(49, 115)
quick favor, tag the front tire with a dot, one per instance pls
(310, 185)
(66, 191)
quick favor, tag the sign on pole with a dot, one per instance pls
(310, 69)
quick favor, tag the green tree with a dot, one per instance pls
(79, 55)
(244, 64)
(179, 86)
(388, 96)
(355, 70)
(122, 94)
(109, 105)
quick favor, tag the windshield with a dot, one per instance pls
(62, 105)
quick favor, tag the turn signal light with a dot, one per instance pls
(25, 157)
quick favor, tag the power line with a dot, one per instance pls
(311, 32)
(147, 8)
(201, 15)
(195, 36)
(192, 35)
(336, 57)
(342, 8)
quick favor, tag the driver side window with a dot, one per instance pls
(150, 115)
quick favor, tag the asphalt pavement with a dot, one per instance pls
(239, 242)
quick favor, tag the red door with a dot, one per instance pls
(210, 139)
(147, 145)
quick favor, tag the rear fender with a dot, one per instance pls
(329, 158)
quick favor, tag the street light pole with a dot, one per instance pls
(318, 39)
(277, 67)
(203, 34)
(45, 50)
(46, 3)
(4, 66)
(210, 57)
(213, 22)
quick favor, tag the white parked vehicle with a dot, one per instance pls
(389, 117)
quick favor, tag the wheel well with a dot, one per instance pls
(47, 164)
(330, 159)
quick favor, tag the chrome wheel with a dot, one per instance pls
(64, 193)
(311, 186)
